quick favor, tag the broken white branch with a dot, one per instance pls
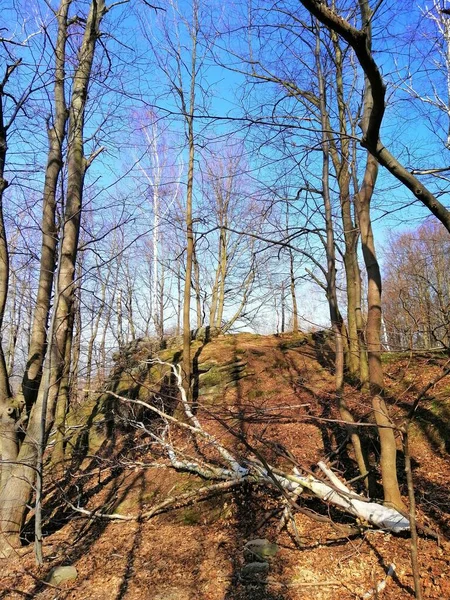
(335, 492)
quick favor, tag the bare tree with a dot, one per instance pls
(416, 288)
(360, 41)
(25, 463)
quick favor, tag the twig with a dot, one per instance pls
(380, 587)
(412, 516)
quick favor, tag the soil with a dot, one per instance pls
(278, 395)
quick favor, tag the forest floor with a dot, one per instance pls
(280, 397)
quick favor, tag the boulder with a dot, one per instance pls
(254, 569)
(260, 549)
(59, 575)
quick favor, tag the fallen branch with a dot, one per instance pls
(259, 471)
(371, 512)
(171, 503)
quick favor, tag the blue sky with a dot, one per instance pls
(403, 41)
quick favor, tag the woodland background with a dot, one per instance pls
(177, 172)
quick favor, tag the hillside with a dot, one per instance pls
(269, 396)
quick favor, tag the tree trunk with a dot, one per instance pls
(214, 295)
(373, 329)
(295, 328)
(223, 273)
(5, 391)
(162, 277)
(15, 320)
(336, 320)
(179, 299)
(373, 333)
(9, 409)
(350, 258)
(341, 161)
(56, 135)
(63, 401)
(187, 367)
(198, 298)
(360, 327)
(15, 496)
(189, 117)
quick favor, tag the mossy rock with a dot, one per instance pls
(79, 413)
(97, 437)
(168, 355)
(125, 385)
(260, 549)
(294, 342)
(255, 570)
(205, 513)
(208, 364)
(253, 394)
(210, 393)
(62, 574)
(221, 375)
(205, 334)
(256, 352)
(175, 341)
(233, 366)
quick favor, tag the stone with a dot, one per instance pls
(59, 575)
(205, 334)
(260, 549)
(250, 570)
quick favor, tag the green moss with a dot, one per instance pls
(168, 355)
(125, 384)
(190, 516)
(210, 393)
(219, 376)
(213, 377)
(97, 437)
(391, 357)
(125, 507)
(205, 513)
(252, 394)
(79, 413)
(294, 342)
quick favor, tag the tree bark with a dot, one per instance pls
(223, 257)
(56, 133)
(198, 297)
(63, 402)
(388, 461)
(15, 496)
(188, 110)
(342, 166)
(335, 317)
(295, 328)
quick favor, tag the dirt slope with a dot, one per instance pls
(270, 389)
